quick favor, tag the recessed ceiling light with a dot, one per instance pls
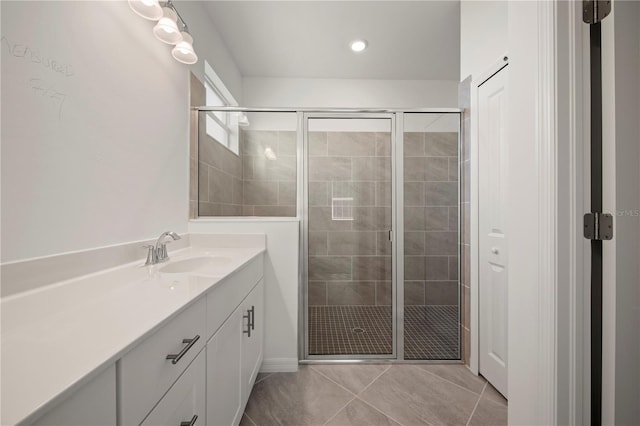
(358, 45)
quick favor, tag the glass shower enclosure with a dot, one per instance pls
(377, 193)
(381, 236)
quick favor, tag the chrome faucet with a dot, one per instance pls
(158, 253)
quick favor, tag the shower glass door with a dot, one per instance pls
(350, 290)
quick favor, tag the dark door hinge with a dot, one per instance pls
(598, 226)
(594, 11)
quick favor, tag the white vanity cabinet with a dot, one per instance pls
(195, 367)
(252, 337)
(93, 404)
(184, 404)
(224, 397)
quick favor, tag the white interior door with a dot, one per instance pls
(493, 286)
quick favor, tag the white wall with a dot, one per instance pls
(345, 93)
(210, 46)
(110, 164)
(281, 284)
(483, 35)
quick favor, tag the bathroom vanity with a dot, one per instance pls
(178, 343)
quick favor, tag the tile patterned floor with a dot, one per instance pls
(431, 331)
(366, 395)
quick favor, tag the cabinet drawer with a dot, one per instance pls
(185, 401)
(226, 297)
(145, 373)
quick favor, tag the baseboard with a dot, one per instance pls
(279, 365)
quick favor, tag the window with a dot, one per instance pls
(218, 122)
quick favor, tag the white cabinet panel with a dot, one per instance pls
(93, 404)
(145, 374)
(224, 399)
(185, 401)
(252, 342)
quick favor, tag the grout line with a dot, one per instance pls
(449, 381)
(374, 380)
(332, 381)
(477, 403)
(338, 412)
(250, 419)
(383, 413)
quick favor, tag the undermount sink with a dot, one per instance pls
(194, 264)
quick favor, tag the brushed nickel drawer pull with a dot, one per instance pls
(176, 357)
(190, 423)
(252, 312)
(248, 318)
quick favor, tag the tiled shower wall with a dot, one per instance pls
(464, 102)
(431, 218)
(219, 179)
(253, 183)
(268, 181)
(350, 260)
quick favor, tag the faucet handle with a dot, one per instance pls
(162, 255)
(152, 256)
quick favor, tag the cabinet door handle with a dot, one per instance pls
(248, 318)
(253, 317)
(191, 422)
(176, 357)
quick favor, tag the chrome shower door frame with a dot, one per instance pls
(397, 347)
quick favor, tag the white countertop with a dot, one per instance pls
(57, 338)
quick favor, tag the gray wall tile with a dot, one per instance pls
(383, 293)
(330, 168)
(257, 192)
(436, 169)
(414, 268)
(278, 211)
(319, 193)
(317, 293)
(441, 144)
(287, 193)
(329, 268)
(441, 193)
(413, 144)
(376, 268)
(317, 144)
(371, 168)
(287, 143)
(441, 293)
(414, 193)
(320, 220)
(413, 243)
(351, 292)
(383, 144)
(351, 144)
(317, 243)
(436, 268)
(352, 243)
(441, 243)
(414, 292)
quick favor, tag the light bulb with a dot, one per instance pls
(358, 45)
(166, 29)
(148, 9)
(183, 52)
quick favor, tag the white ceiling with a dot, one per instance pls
(408, 40)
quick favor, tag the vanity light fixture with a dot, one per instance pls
(183, 52)
(148, 9)
(167, 30)
(358, 45)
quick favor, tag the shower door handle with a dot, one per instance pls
(390, 235)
